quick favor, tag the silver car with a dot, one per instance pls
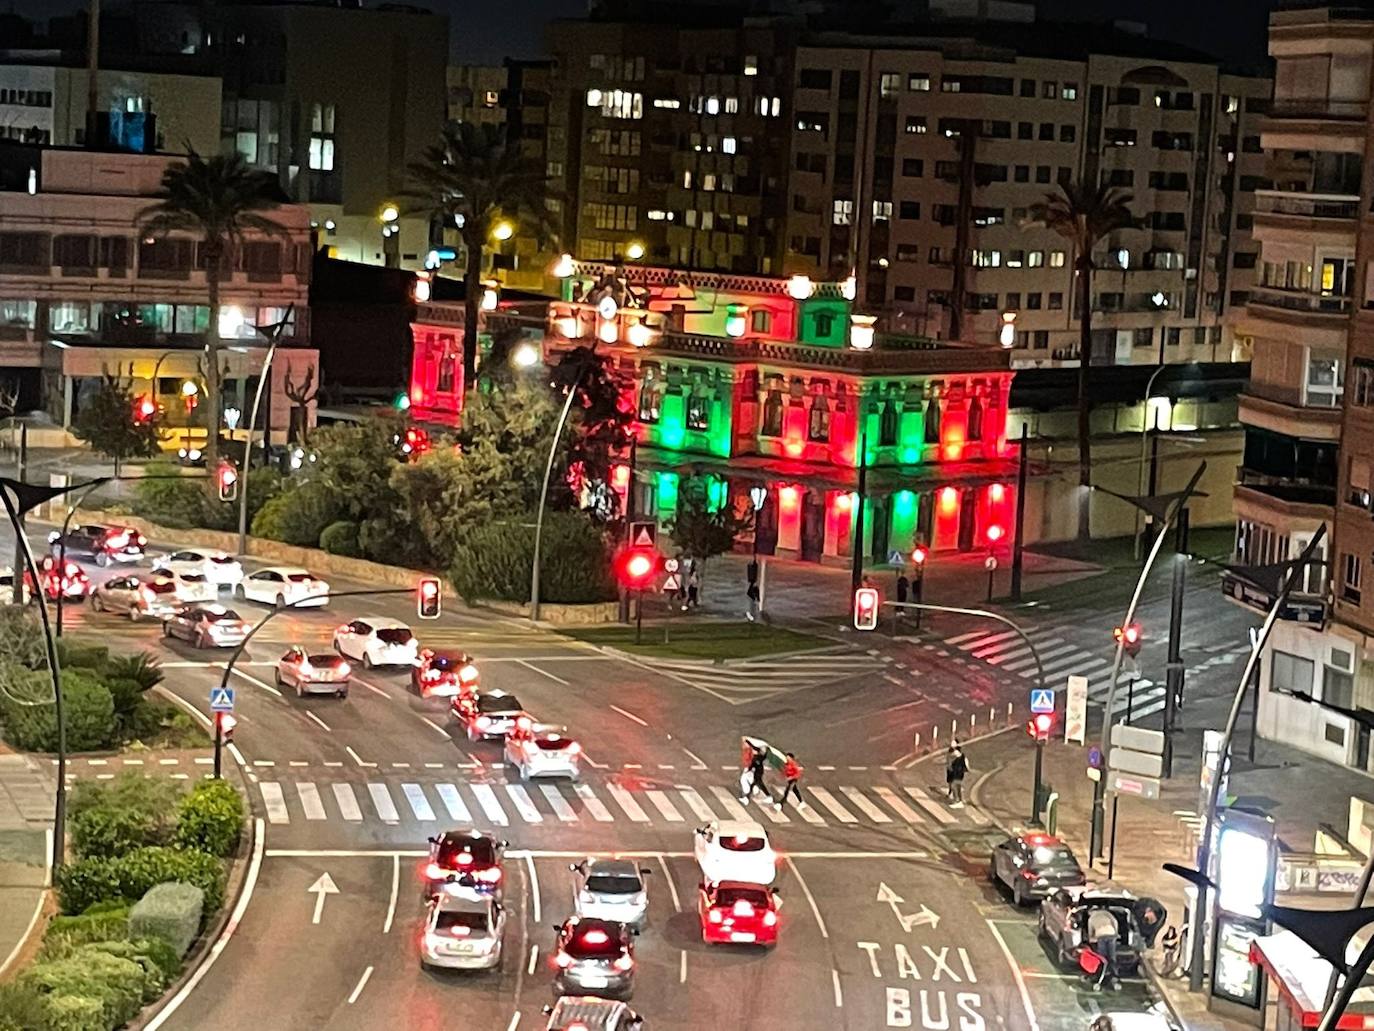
(588, 1013)
(136, 597)
(206, 626)
(611, 889)
(462, 932)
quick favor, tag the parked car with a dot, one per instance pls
(137, 597)
(104, 543)
(206, 626)
(284, 585)
(1033, 865)
(1064, 922)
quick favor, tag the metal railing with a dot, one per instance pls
(1307, 205)
(1300, 300)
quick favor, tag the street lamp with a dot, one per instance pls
(503, 231)
(634, 251)
(526, 355)
(544, 490)
(273, 333)
(1145, 417)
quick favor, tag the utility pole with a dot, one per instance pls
(92, 75)
(857, 572)
(18, 567)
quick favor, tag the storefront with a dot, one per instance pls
(1298, 978)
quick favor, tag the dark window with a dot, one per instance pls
(1025, 130)
(818, 426)
(1066, 134)
(814, 78)
(74, 251)
(1021, 173)
(904, 293)
(887, 424)
(1046, 131)
(29, 250)
(772, 415)
(975, 419)
(698, 411)
(909, 209)
(114, 252)
(913, 167)
(1244, 259)
(825, 323)
(932, 426)
(1056, 301)
(1042, 173)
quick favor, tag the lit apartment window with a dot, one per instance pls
(916, 124)
(728, 145)
(950, 85)
(1056, 259)
(986, 259)
(842, 213)
(1351, 571)
(1068, 91)
(751, 65)
(918, 82)
(732, 105)
(322, 137)
(713, 105)
(890, 84)
(1325, 382)
(687, 179)
(667, 103)
(882, 210)
(490, 98)
(1035, 259)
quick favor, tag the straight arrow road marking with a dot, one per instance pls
(322, 888)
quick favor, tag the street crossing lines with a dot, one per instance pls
(594, 805)
(453, 802)
(524, 805)
(865, 806)
(558, 803)
(275, 802)
(348, 802)
(898, 806)
(730, 804)
(486, 798)
(419, 805)
(930, 806)
(626, 802)
(381, 798)
(697, 804)
(832, 805)
(310, 800)
(665, 806)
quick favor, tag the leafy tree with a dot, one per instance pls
(356, 462)
(604, 426)
(108, 422)
(701, 531)
(505, 446)
(493, 560)
(1084, 215)
(218, 200)
(475, 178)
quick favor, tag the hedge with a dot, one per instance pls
(95, 879)
(118, 985)
(111, 818)
(493, 561)
(66, 932)
(170, 913)
(341, 538)
(151, 955)
(88, 710)
(210, 818)
(300, 515)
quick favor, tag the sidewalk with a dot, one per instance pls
(26, 810)
(1281, 782)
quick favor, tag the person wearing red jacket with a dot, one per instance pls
(791, 771)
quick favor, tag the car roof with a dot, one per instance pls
(381, 622)
(1094, 893)
(740, 828)
(613, 867)
(586, 1008)
(460, 835)
(740, 886)
(284, 570)
(1039, 839)
(457, 902)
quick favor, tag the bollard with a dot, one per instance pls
(992, 715)
(916, 745)
(935, 736)
(972, 722)
(954, 730)
(1008, 712)
(1052, 812)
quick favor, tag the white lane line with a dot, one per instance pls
(310, 800)
(626, 801)
(808, 813)
(524, 806)
(1031, 1023)
(381, 801)
(682, 967)
(729, 802)
(629, 715)
(815, 909)
(534, 960)
(672, 885)
(419, 804)
(700, 762)
(254, 680)
(536, 904)
(395, 893)
(440, 730)
(357, 758)
(275, 801)
(486, 798)
(453, 802)
(832, 804)
(665, 806)
(965, 637)
(839, 995)
(316, 719)
(865, 806)
(558, 803)
(514, 1022)
(594, 805)
(931, 806)
(556, 680)
(898, 806)
(372, 687)
(696, 803)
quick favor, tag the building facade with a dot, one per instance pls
(83, 294)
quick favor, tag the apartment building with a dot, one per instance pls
(910, 160)
(1309, 433)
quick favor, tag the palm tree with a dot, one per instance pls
(475, 178)
(1084, 215)
(218, 200)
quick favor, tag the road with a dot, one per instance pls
(888, 919)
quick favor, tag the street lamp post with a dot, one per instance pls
(1146, 421)
(544, 493)
(856, 574)
(758, 497)
(62, 546)
(273, 333)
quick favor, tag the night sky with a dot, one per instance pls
(485, 31)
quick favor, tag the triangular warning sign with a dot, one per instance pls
(672, 583)
(643, 537)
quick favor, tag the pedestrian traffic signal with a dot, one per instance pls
(866, 608)
(995, 533)
(144, 409)
(228, 478)
(635, 567)
(1039, 726)
(226, 721)
(1131, 636)
(428, 599)
(919, 554)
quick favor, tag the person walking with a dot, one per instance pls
(693, 587)
(1102, 934)
(903, 588)
(956, 769)
(791, 772)
(752, 780)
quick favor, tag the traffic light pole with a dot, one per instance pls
(856, 574)
(1037, 786)
(639, 615)
(1018, 539)
(219, 746)
(1173, 689)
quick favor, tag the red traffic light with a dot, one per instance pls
(1040, 725)
(227, 721)
(919, 554)
(636, 567)
(228, 478)
(866, 608)
(995, 533)
(428, 599)
(144, 408)
(1131, 636)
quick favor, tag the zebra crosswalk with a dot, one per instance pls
(394, 802)
(1008, 652)
(752, 680)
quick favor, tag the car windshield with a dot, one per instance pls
(227, 616)
(193, 578)
(161, 587)
(299, 578)
(393, 635)
(1053, 857)
(498, 703)
(594, 942)
(552, 742)
(473, 920)
(741, 843)
(612, 884)
(754, 896)
(446, 663)
(482, 851)
(223, 560)
(326, 660)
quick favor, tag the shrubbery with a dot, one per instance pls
(341, 538)
(493, 561)
(95, 879)
(298, 516)
(184, 501)
(210, 818)
(129, 812)
(88, 710)
(170, 913)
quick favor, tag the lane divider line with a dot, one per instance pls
(358, 989)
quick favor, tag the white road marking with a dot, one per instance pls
(534, 959)
(865, 806)
(832, 804)
(395, 892)
(372, 687)
(665, 806)
(348, 802)
(256, 762)
(316, 719)
(486, 798)
(254, 680)
(839, 995)
(534, 890)
(770, 814)
(627, 802)
(808, 813)
(815, 910)
(682, 967)
(514, 1022)
(441, 731)
(381, 801)
(594, 805)
(729, 802)
(358, 990)
(1031, 1023)
(696, 803)
(357, 758)
(700, 762)
(931, 806)
(419, 804)
(274, 800)
(558, 803)
(453, 802)
(524, 805)
(898, 806)
(672, 884)
(629, 715)
(530, 665)
(310, 800)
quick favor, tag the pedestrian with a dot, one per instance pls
(956, 769)
(753, 776)
(752, 613)
(791, 771)
(693, 586)
(903, 588)
(1102, 935)
(1150, 915)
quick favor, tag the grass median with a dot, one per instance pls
(700, 641)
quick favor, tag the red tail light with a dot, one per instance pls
(563, 959)
(596, 937)
(574, 748)
(467, 674)
(491, 876)
(714, 916)
(464, 858)
(770, 919)
(434, 871)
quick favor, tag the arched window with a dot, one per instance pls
(975, 419)
(887, 424)
(818, 428)
(933, 419)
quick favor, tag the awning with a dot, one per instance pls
(1301, 977)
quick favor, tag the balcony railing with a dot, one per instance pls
(1307, 205)
(1300, 301)
(1318, 107)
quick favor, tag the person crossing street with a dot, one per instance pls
(956, 769)
(752, 778)
(792, 772)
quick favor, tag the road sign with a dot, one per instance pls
(990, 563)
(672, 583)
(221, 699)
(670, 565)
(1140, 787)
(1076, 709)
(1042, 699)
(1136, 761)
(644, 535)
(896, 558)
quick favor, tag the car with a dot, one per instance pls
(443, 673)
(491, 714)
(469, 859)
(219, 567)
(588, 1013)
(1064, 921)
(739, 913)
(1032, 865)
(190, 456)
(7, 586)
(322, 673)
(594, 957)
(206, 626)
(543, 750)
(377, 641)
(71, 581)
(284, 585)
(191, 587)
(462, 932)
(104, 543)
(136, 597)
(611, 889)
(735, 850)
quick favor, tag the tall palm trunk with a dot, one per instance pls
(214, 253)
(472, 311)
(1085, 357)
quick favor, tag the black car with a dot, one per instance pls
(1032, 865)
(443, 672)
(594, 957)
(102, 542)
(467, 858)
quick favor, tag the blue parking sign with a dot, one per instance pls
(1042, 699)
(221, 699)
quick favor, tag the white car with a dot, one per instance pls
(377, 641)
(219, 567)
(190, 587)
(462, 932)
(735, 850)
(543, 750)
(284, 585)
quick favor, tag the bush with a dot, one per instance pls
(73, 1013)
(164, 956)
(88, 881)
(170, 913)
(74, 654)
(112, 818)
(95, 879)
(143, 668)
(493, 561)
(300, 515)
(341, 538)
(210, 818)
(67, 932)
(89, 713)
(119, 985)
(22, 1008)
(178, 501)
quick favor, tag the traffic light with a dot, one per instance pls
(995, 533)
(415, 442)
(144, 408)
(1132, 636)
(1039, 726)
(428, 599)
(866, 608)
(635, 567)
(919, 554)
(227, 722)
(228, 478)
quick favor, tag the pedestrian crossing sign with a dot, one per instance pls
(1041, 699)
(672, 583)
(896, 558)
(221, 699)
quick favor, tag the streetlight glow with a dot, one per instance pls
(189, 388)
(503, 231)
(390, 213)
(526, 355)
(563, 268)
(634, 251)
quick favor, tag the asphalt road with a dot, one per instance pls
(888, 920)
